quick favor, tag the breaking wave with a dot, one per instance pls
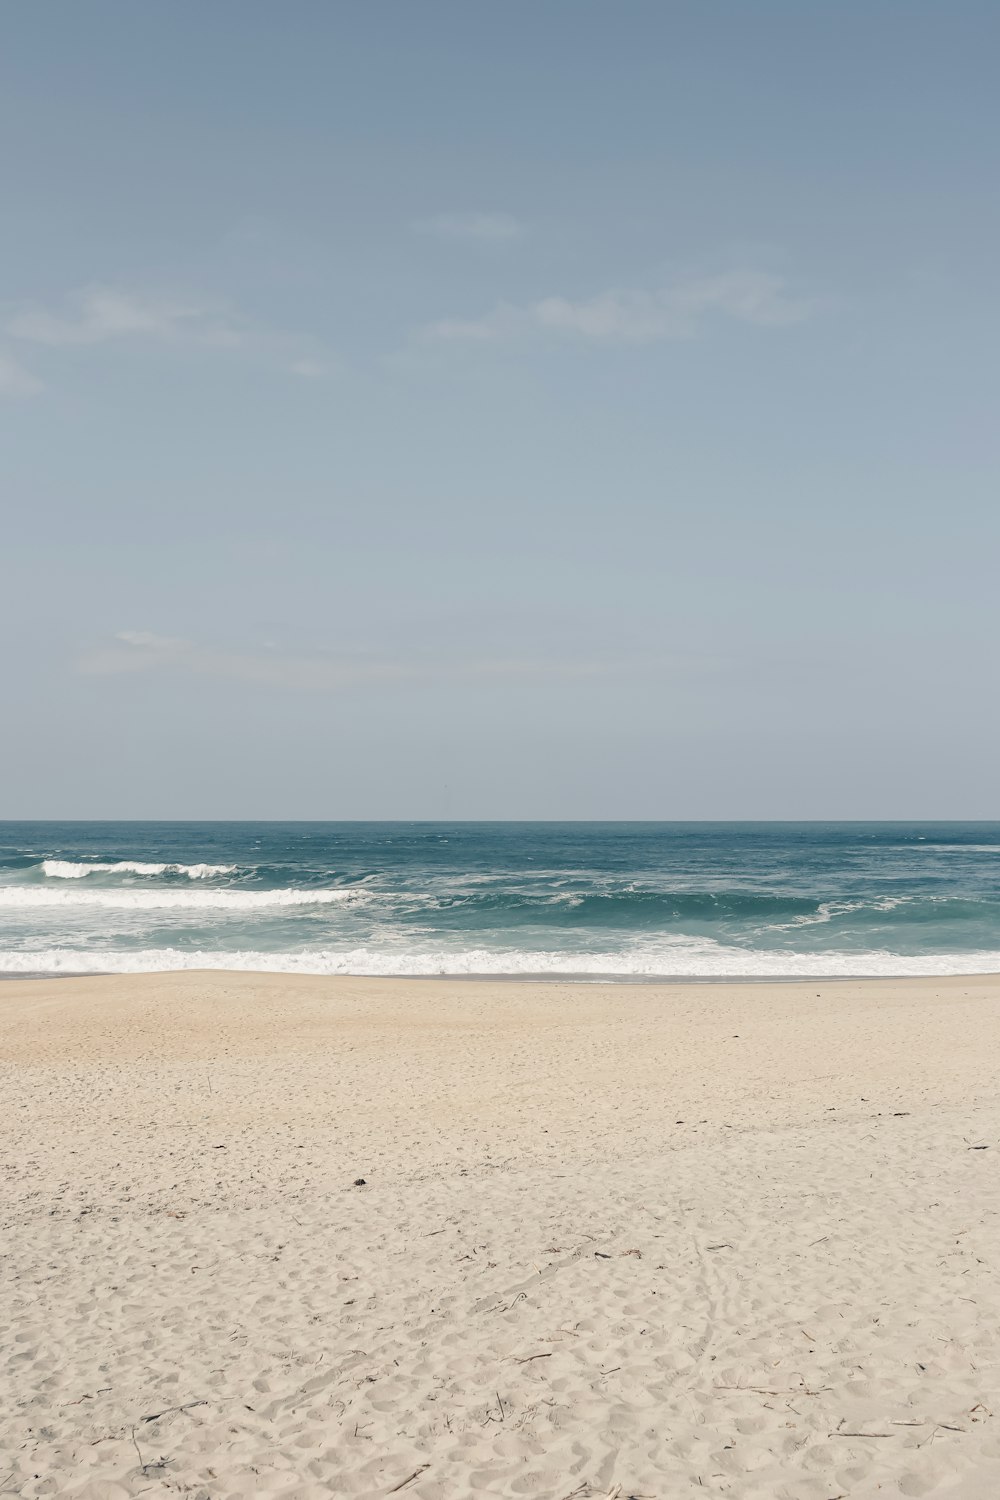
(28, 897)
(617, 901)
(67, 869)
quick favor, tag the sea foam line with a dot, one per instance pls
(690, 960)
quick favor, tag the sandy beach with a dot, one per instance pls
(611, 1240)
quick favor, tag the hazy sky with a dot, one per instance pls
(421, 409)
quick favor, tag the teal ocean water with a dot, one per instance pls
(616, 900)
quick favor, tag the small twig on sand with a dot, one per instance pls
(861, 1434)
(939, 1427)
(763, 1390)
(503, 1414)
(408, 1480)
(167, 1410)
(527, 1360)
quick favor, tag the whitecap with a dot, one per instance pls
(66, 869)
(129, 898)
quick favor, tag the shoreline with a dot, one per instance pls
(643, 981)
(317, 1236)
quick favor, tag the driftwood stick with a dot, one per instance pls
(138, 1455)
(168, 1409)
(763, 1390)
(408, 1480)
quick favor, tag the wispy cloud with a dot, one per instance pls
(105, 315)
(678, 310)
(15, 380)
(142, 651)
(309, 369)
(489, 228)
(101, 314)
(146, 640)
(138, 651)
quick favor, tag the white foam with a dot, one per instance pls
(969, 848)
(124, 898)
(66, 869)
(828, 911)
(691, 959)
(960, 848)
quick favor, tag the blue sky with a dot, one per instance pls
(466, 410)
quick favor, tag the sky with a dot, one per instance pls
(466, 410)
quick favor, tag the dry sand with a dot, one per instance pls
(613, 1240)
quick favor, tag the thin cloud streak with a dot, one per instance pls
(133, 652)
(102, 314)
(677, 311)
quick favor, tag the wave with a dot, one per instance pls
(913, 910)
(629, 904)
(66, 869)
(928, 846)
(27, 897)
(693, 959)
(642, 911)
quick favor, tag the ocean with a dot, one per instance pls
(608, 900)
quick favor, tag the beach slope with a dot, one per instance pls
(312, 1236)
